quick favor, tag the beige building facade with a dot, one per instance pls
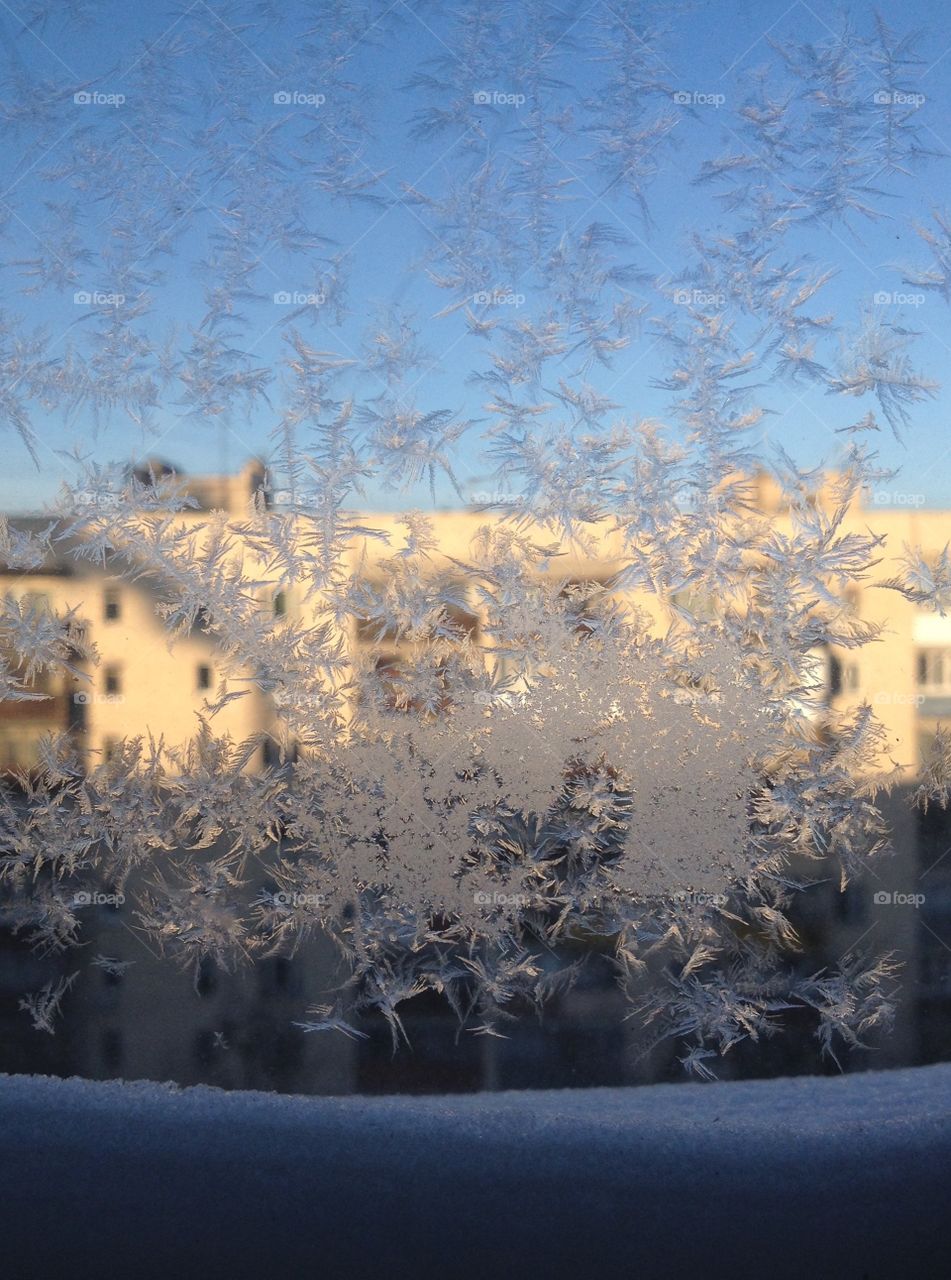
(143, 684)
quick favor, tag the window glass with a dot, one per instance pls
(475, 586)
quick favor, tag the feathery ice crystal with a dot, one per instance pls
(589, 775)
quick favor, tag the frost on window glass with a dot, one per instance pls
(461, 471)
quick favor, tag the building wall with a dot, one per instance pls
(158, 692)
(159, 684)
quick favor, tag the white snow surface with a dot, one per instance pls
(845, 1177)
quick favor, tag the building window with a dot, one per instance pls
(35, 602)
(111, 610)
(204, 676)
(109, 748)
(850, 904)
(76, 712)
(111, 1048)
(582, 596)
(206, 980)
(700, 605)
(273, 757)
(462, 619)
(112, 680)
(851, 676)
(280, 604)
(42, 681)
(934, 669)
(835, 675)
(276, 975)
(9, 753)
(76, 637)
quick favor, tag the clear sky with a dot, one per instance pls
(123, 123)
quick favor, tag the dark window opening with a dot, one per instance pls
(271, 753)
(583, 598)
(111, 1049)
(207, 979)
(835, 676)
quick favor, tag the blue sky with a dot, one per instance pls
(709, 49)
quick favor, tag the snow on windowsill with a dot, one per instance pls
(809, 1176)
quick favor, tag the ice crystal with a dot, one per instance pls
(513, 758)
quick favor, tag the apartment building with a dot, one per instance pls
(141, 684)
